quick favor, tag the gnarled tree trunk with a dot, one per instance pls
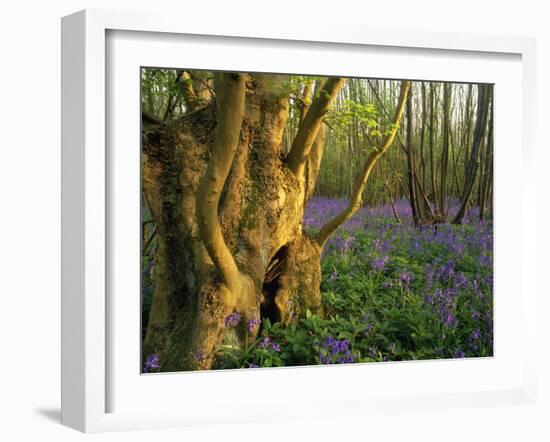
(228, 209)
(228, 212)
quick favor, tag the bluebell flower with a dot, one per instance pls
(335, 351)
(459, 354)
(232, 319)
(379, 264)
(252, 324)
(265, 343)
(151, 363)
(405, 277)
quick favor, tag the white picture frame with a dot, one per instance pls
(86, 315)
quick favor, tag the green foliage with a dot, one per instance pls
(354, 113)
(159, 86)
(385, 311)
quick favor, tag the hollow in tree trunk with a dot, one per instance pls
(228, 208)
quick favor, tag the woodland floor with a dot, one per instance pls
(391, 292)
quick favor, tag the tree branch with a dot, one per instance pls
(230, 93)
(148, 118)
(386, 112)
(305, 99)
(186, 88)
(171, 101)
(314, 161)
(355, 202)
(204, 83)
(310, 125)
(149, 241)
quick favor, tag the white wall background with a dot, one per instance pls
(30, 215)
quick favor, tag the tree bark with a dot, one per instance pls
(432, 147)
(487, 178)
(228, 214)
(310, 125)
(444, 163)
(410, 164)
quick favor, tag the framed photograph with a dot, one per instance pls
(324, 220)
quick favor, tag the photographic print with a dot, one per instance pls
(297, 220)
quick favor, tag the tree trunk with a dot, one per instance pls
(432, 148)
(487, 178)
(445, 150)
(228, 213)
(410, 163)
(228, 210)
(484, 99)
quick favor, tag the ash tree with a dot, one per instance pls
(228, 206)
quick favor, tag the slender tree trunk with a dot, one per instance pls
(444, 163)
(422, 136)
(432, 147)
(410, 163)
(355, 201)
(484, 99)
(466, 134)
(487, 178)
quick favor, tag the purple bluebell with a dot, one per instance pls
(379, 264)
(459, 354)
(232, 320)
(405, 277)
(252, 324)
(151, 363)
(335, 351)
